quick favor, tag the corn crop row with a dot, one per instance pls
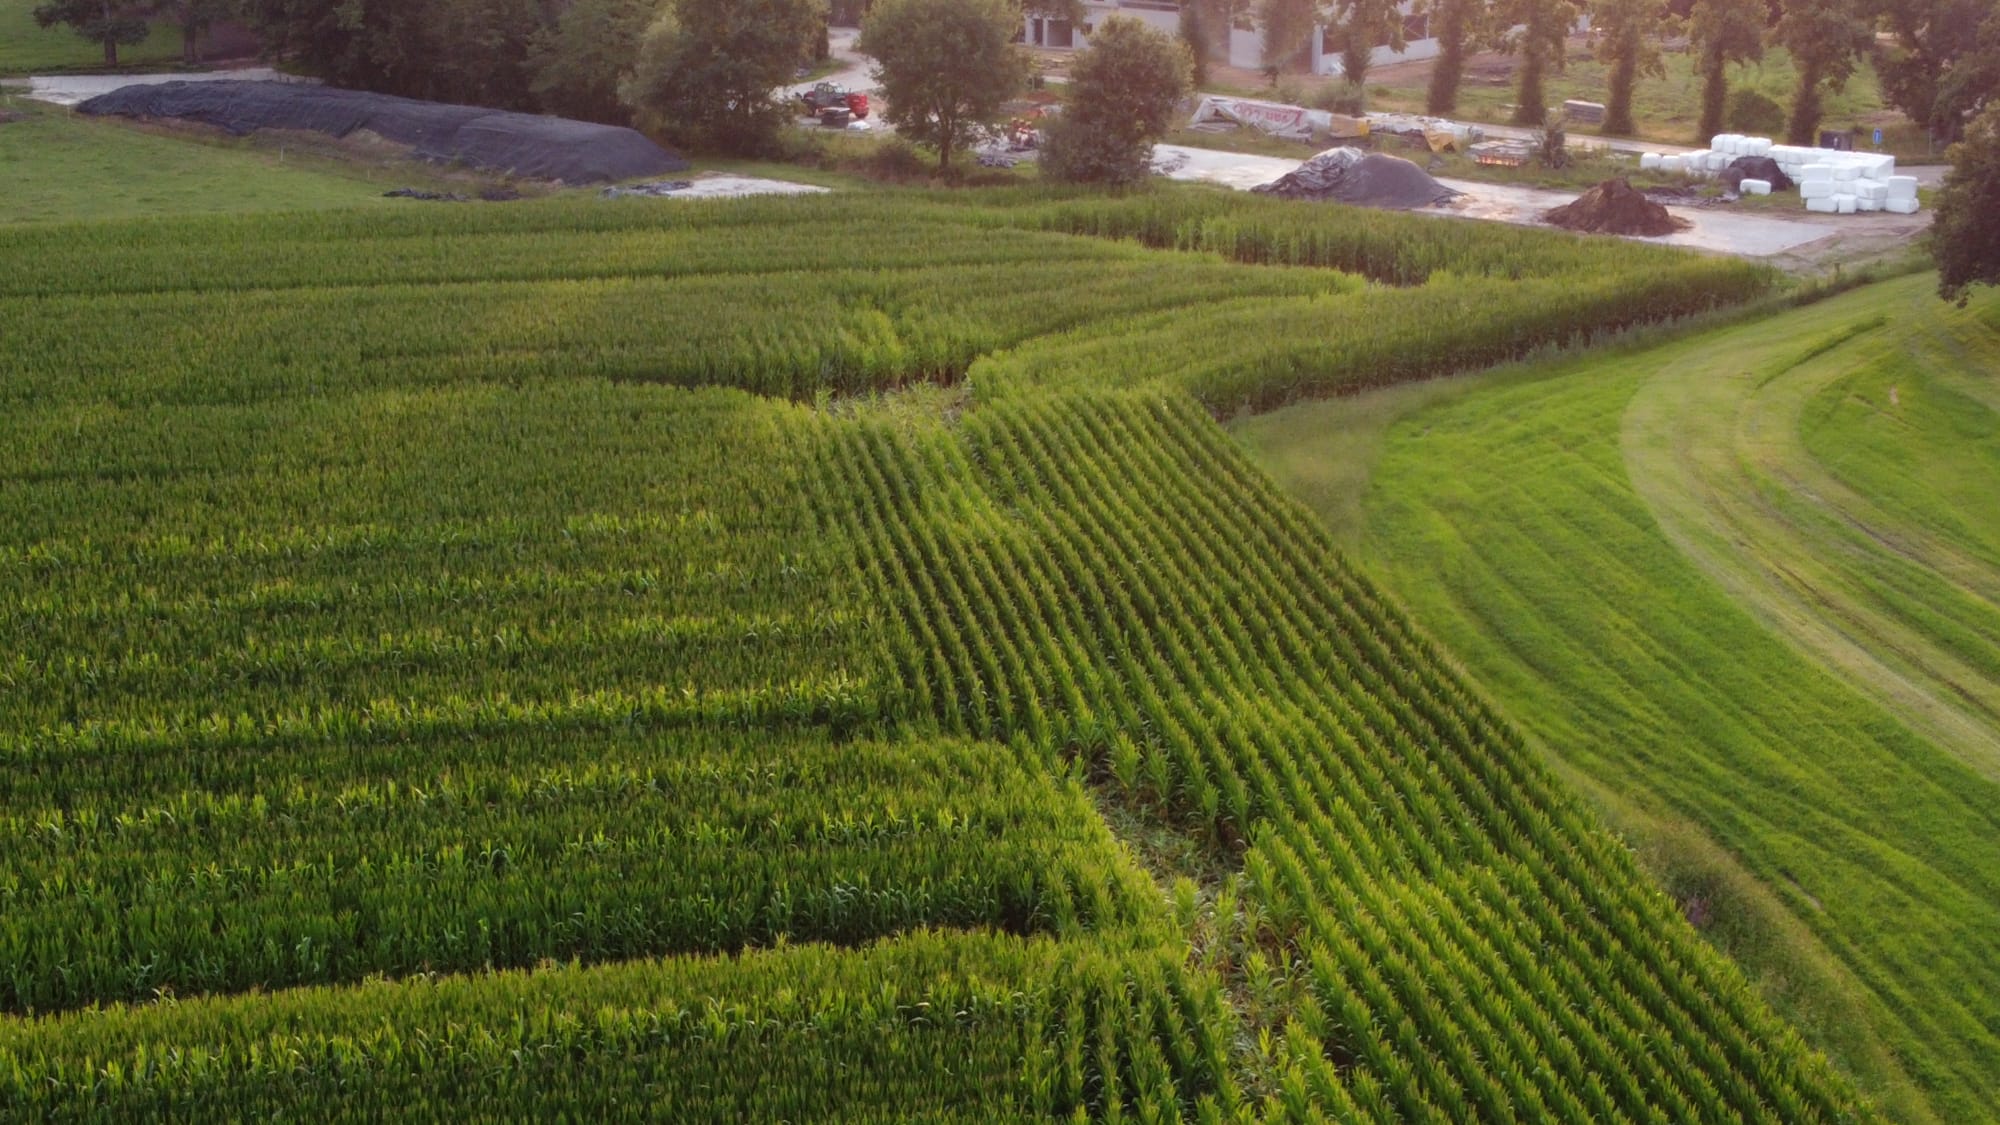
(1276, 705)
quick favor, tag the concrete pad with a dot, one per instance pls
(1752, 236)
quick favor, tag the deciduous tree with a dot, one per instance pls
(946, 67)
(1123, 91)
(1723, 33)
(1459, 26)
(111, 23)
(1965, 234)
(1362, 25)
(1942, 64)
(1541, 43)
(579, 62)
(1628, 44)
(1194, 32)
(1287, 26)
(706, 72)
(1826, 39)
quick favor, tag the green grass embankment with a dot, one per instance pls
(1742, 588)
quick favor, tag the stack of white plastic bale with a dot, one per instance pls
(1833, 182)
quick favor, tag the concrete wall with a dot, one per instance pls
(1040, 32)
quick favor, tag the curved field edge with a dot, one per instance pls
(1609, 544)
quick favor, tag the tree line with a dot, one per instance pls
(1938, 60)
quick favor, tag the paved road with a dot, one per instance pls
(857, 73)
(1750, 235)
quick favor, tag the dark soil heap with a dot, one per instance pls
(1615, 207)
(1363, 179)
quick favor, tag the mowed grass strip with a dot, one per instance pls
(1640, 554)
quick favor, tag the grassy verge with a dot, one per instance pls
(1740, 588)
(60, 166)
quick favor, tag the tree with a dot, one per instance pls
(1459, 26)
(579, 62)
(1826, 39)
(1545, 26)
(113, 23)
(1627, 31)
(195, 18)
(1123, 91)
(1965, 233)
(1365, 25)
(706, 70)
(1288, 27)
(472, 51)
(1723, 33)
(1194, 33)
(946, 67)
(1939, 70)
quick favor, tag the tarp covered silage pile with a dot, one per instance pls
(517, 144)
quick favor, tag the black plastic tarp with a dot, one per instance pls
(516, 144)
(1365, 179)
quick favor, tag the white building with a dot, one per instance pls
(1246, 45)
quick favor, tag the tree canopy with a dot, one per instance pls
(1123, 91)
(945, 67)
(1722, 33)
(1944, 62)
(1361, 25)
(1965, 234)
(706, 72)
(111, 23)
(1827, 39)
(580, 61)
(1544, 31)
(1459, 26)
(1628, 43)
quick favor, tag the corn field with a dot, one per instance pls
(432, 688)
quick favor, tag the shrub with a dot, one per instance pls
(1345, 98)
(1753, 112)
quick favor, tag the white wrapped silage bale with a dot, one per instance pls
(1901, 206)
(1901, 187)
(1846, 173)
(1867, 205)
(1649, 161)
(1844, 204)
(1816, 189)
(1672, 163)
(1755, 187)
(1873, 191)
(1824, 206)
(1875, 167)
(1815, 174)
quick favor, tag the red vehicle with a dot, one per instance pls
(828, 95)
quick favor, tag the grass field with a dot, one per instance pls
(437, 688)
(60, 166)
(1740, 588)
(26, 48)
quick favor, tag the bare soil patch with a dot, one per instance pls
(1616, 207)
